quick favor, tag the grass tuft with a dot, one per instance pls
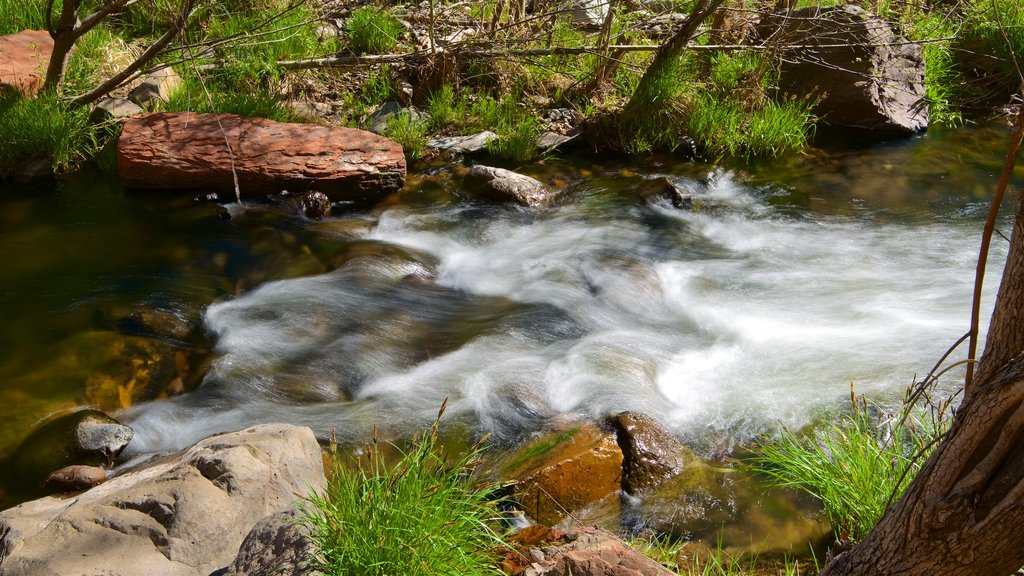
(421, 517)
(372, 30)
(855, 467)
(45, 127)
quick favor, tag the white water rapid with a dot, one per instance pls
(721, 321)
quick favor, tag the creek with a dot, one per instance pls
(758, 306)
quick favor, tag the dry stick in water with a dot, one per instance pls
(986, 241)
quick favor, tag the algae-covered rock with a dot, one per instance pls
(83, 437)
(565, 472)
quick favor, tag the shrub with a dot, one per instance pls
(372, 30)
(855, 467)
(420, 517)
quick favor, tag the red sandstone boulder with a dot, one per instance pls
(23, 58)
(187, 150)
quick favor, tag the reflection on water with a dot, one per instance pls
(785, 282)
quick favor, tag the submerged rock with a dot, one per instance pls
(83, 437)
(562, 473)
(506, 186)
(23, 60)
(187, 150)
(182, 515)
(124, 370)
(862, 74)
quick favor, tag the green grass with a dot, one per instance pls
(411, 133)
(372, 30)
(18, 15)
(855, 467)
(45, 127)
(190, 96)
(423, 516)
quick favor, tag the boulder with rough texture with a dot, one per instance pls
(23, 60)
(276, 546)
(182, 515)
(863, 75)
(582, 551)
(185, 150)
(650, 454)
(506, 186)
(82, 437)
(562, 473)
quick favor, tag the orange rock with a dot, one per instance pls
(23, 60)
(186, 150)
(565, 474)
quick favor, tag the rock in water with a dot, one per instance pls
(562, 473)
(185, 150)
(75, 478)
(863, 74)
(23, 59)
(506, 186)
(183, 515)
(83, 437)
(650, 454)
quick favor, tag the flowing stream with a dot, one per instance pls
(759, 305)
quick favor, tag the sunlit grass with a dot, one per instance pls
(423, 516)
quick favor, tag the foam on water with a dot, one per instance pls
(721, 321)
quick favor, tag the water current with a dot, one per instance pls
(757, 306)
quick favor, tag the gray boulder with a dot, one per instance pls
(82, 437)
(506, 186)
(276, 546)
(157, 87)
(863, 74)
(182, 515)
(462, 144)
(113, 109)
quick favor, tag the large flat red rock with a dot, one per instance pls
(23, 58)
(187, 150)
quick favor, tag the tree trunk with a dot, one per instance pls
(963, 513)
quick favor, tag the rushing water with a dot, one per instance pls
(782, 285)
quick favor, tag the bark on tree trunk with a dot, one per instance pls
(963, 514)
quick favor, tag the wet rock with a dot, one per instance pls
(154, 322)
(87, 437)
(109, 109)
(182, 515)
(462, 144)
(650, 454)
(874, 81)
(182, 150)
(74, 478)
(32, 170)
(315, 205)
(562, 473)
(276, 546)
(157, 87)
(582, 551)
(506, 186)
(23, 59)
